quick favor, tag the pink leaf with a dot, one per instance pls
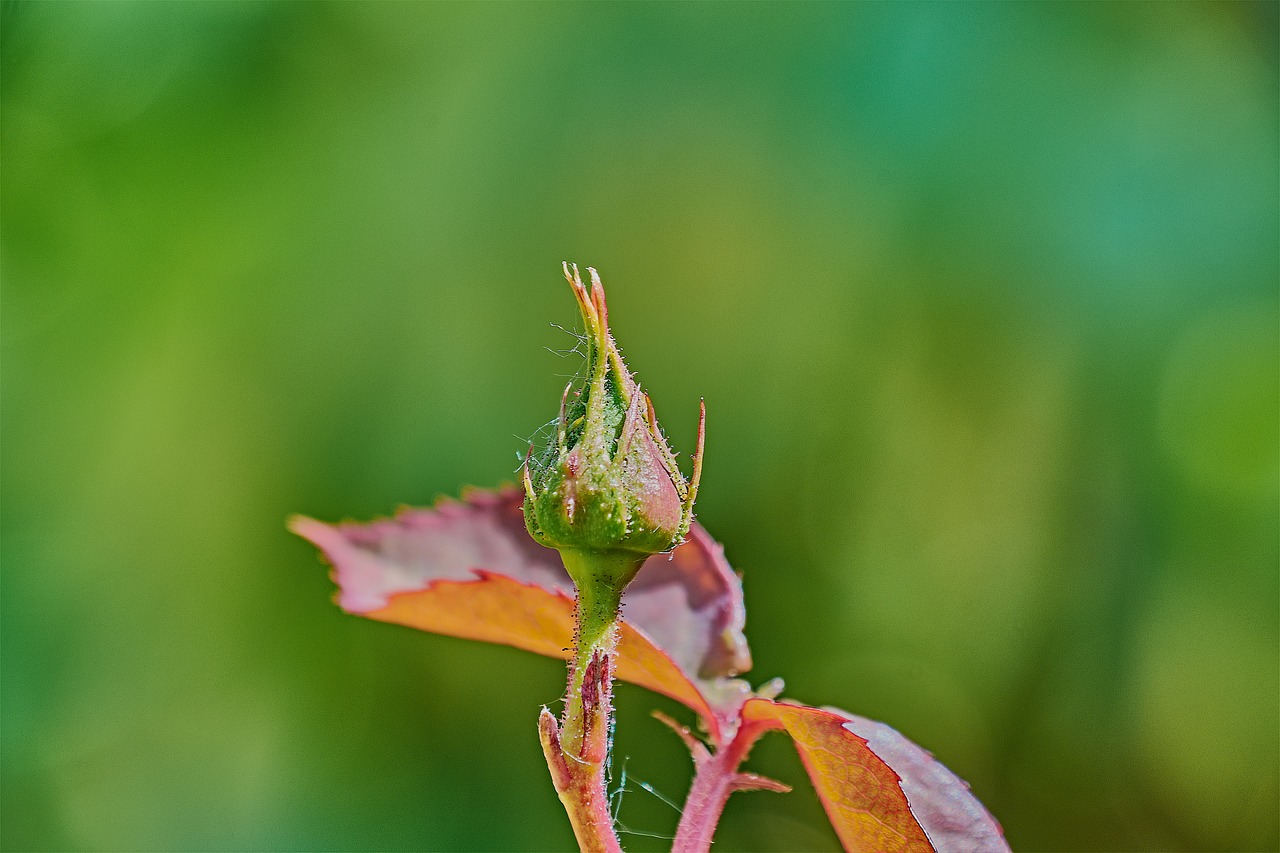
(687, 606)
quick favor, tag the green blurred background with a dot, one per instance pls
(982, 299)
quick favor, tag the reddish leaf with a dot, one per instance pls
(940, 800)
(690, 603)
(470, 569)
(880, 790)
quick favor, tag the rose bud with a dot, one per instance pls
(608, 483)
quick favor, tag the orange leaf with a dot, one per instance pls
(496, 609)
(881, 791)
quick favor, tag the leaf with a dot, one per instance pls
(882, 792)
(494, 608)
(690, 603)
(470, 569)
(941, 801)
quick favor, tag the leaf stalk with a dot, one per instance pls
(716, 778)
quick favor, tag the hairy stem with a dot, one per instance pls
(717, 777)
(577, 750)
(580, 787)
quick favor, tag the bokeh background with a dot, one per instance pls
(982, 299)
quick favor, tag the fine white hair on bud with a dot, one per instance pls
(609, 481)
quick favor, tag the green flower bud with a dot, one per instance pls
(608, 482)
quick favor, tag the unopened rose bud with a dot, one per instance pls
(608, 482)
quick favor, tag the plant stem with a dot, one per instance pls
(577, 751)
(717, 777)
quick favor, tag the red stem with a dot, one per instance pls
(581, 787)
(717, 777)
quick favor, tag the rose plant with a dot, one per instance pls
(598, 558)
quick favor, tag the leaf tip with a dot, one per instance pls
(771, 689)
(756, 782)
(294, 522)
